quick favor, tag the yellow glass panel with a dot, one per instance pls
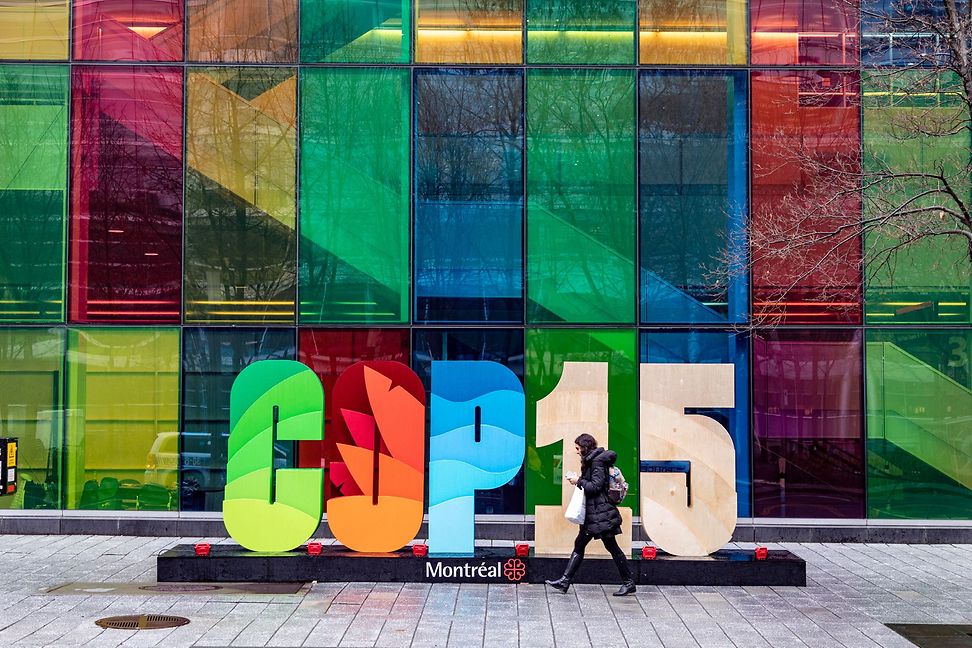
(30, 411)
(34, 29)
(454, 31)
(123, 419)
(711, 32)
(241, 195)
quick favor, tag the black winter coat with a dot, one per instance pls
(602, 517)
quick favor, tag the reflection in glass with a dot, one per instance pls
(242, 31)
(469, 196)
(805, 187)
(126, 220)
(34, 30)
(469, 31)
(33, 141)
(898, 33)
(693, 148)
(492, 345)
(581, 32)
(354, 31)
(211, 360)
(581, 196)
(31, 402)
(804, 32)
(919, 407)
(123, 419)
(706, 347)
(354, 193)
(909, 128)
(240, 261)
(808, 453)
(710, 32)
(128, 30)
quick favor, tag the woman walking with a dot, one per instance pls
(602, 520)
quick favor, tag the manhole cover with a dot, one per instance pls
(179, 587)
(141, 622)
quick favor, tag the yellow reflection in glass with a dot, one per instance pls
(459, 31)
(711, 32)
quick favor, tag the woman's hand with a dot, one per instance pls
(572, 480)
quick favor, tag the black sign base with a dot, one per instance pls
(232, 564)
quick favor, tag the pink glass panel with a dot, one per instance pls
(126, 195)
(804, 32)
(808, 452)
(128, 30)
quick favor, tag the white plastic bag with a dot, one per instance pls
(577, 507)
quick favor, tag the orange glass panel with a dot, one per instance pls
(454, 31)
(711, 32)
(243, 31)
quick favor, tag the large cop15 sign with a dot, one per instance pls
(376, 454)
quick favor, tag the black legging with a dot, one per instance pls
(610, 543)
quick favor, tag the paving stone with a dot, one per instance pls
(852, 591)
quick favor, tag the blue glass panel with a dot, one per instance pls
(895, 32)
(469, 196)
(212, 357)
(693, 151)
(697, 347)
(504, 346)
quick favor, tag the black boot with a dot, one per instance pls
(627, 581)
(563, 583)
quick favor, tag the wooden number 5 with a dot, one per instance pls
(688, 478)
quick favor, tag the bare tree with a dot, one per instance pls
(827, 212)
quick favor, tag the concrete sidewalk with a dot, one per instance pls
(852, 590)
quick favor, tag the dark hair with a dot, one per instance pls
(586, 443)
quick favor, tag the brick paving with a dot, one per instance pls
(852, 590)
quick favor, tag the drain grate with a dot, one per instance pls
(180, 587)
(935, 635)
(141, 622)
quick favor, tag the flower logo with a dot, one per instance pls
(514, 570)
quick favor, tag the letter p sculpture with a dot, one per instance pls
(476, 442)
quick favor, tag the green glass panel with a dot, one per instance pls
(123, 419)
(30, 411)
(33, 159)
(546, 352)
(354, 31)
(572, 31)
(354, 195)
(919, 404)
(581, 188)
(928, 280)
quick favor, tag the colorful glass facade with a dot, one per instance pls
(190, 186)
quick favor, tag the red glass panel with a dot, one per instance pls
(329, 352)
(126, 195)
(804, 32)
(805, 234)
(128, 30)
(808, 453)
